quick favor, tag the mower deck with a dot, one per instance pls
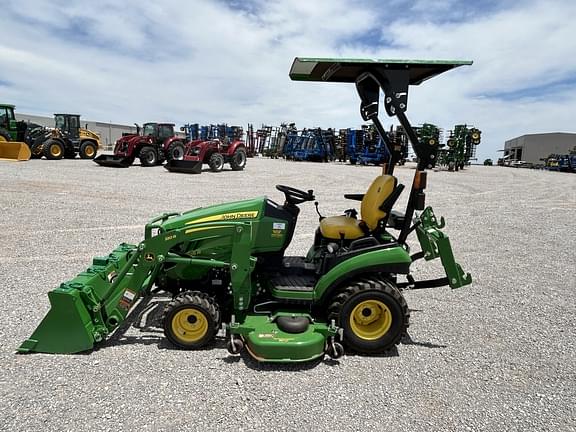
(265, 341)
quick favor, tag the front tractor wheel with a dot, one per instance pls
(191, 320)
(216, 162)
(148, 156)
(373, 315)
(52, 149)
(238, 160)
(36, 149)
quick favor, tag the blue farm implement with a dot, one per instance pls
(316, 145)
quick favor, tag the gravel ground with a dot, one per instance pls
(497, 355)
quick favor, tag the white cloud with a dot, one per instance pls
(204, 61)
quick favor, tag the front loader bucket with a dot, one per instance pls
(67, 328)
(86, 309)
(113, 161)
(184, 166)
(15, 151)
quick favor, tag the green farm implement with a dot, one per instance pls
(226, 268)
(461, 147)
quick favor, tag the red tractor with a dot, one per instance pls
(215, 153)
(156, 144)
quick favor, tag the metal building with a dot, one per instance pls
(108, 132)
(534, 148)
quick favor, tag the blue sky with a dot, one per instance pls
(228, 60)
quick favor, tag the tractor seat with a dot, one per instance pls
(376, 204)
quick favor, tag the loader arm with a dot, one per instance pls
(85, 310)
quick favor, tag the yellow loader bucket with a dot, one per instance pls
(13, 150)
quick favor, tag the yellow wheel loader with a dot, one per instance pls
(68, 139)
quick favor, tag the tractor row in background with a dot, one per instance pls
(22, 140)
(213, 145)
(561, 162)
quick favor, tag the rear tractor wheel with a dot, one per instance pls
(191, 320)
(175, 151)
(373, 315)
(238, 160)
(87, 150)
(216, 162)
(52, 149)
(4, 136)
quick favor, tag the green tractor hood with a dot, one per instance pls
(245, 210)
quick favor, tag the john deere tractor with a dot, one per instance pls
(68, 139)
(226, 267)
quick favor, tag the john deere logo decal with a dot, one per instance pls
(149, 257)
(226, 217)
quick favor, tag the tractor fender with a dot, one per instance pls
(233, 146)
(207, 149)
(170, 140)
(391, 260)
(206, 153)
(136, 144)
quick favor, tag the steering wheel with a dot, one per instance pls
(295, 196)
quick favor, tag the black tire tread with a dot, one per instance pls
(82, 150)
(194, 298)
(46, 149)
(212, 162)
(234, 165)
(142, 156)
(364, 285)
(171, 147)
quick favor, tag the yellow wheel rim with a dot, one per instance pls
(89, 151)
(55, 150)
(475, 136)
(370, 319)
(2, 139)
(189, 325)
